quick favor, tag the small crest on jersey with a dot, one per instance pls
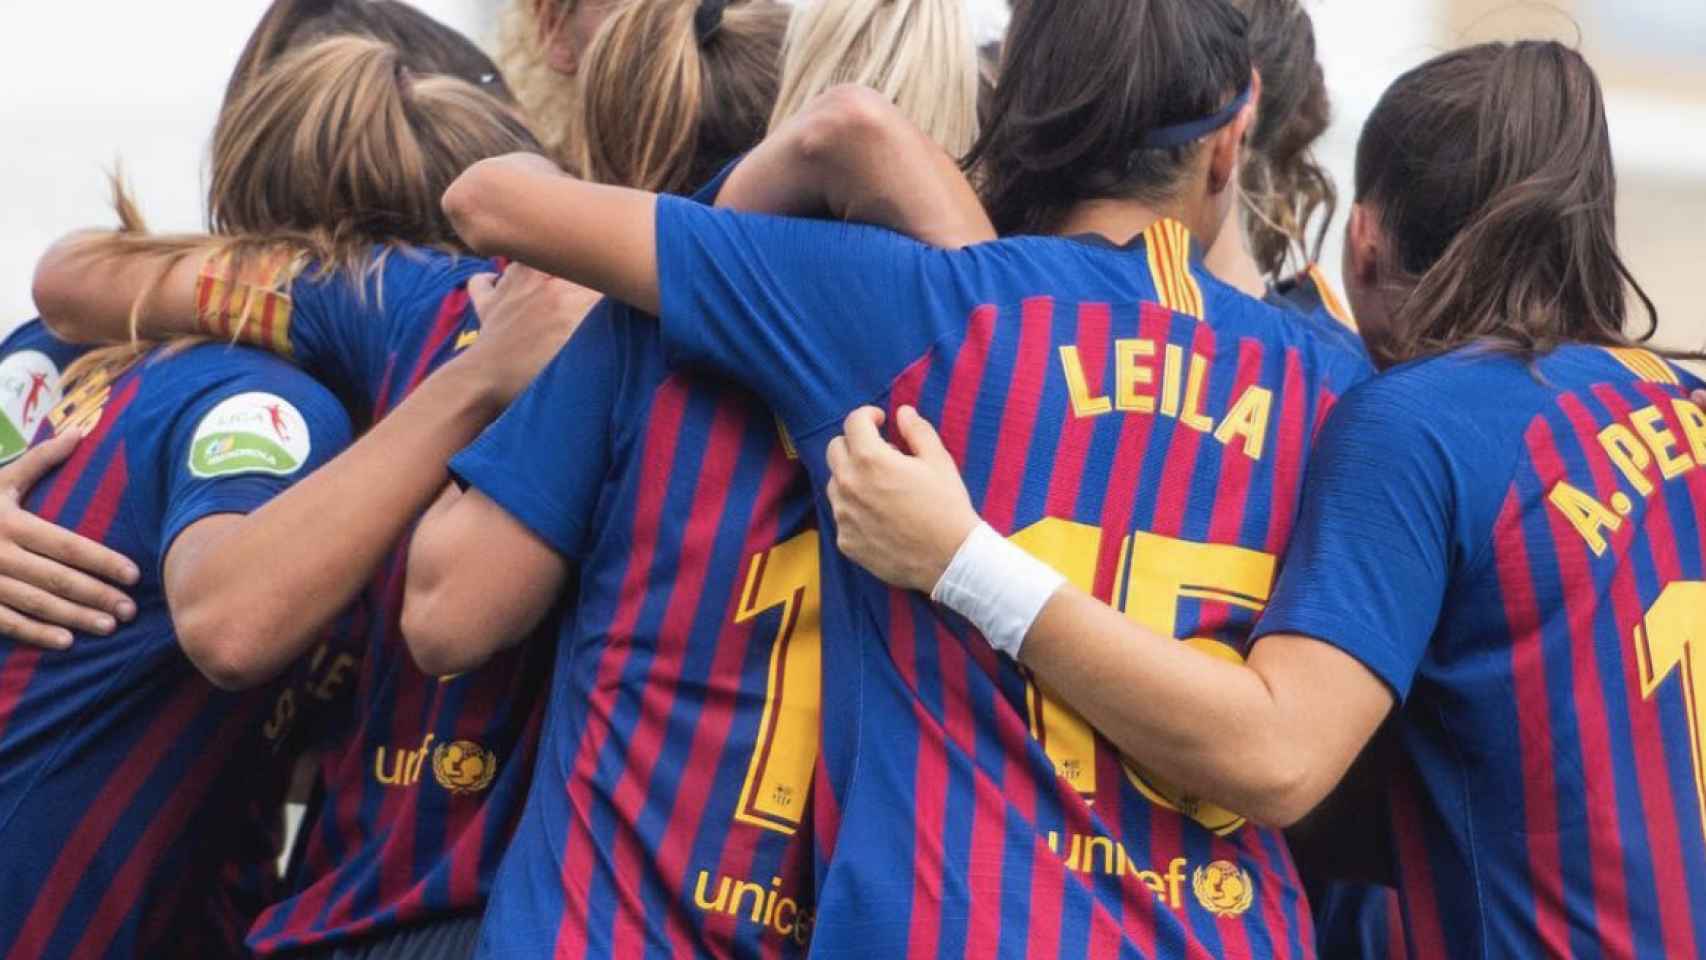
(250, 433)
(29, 388)
(1223, 888)
(463, 766)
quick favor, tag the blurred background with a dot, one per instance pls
(85, 84)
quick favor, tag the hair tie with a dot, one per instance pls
(1179, 134)
(708, 18)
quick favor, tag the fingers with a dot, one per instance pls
(18, 627)
(482, 289)
(55, 543)
(837, 455)
(922, 439)
(67, 584)
(1700, 397)
(44, 608)
(863, 432)
(27, 470)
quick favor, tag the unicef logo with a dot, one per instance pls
(1224, 889)
(463, 766)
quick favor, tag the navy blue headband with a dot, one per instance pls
(1179, 134)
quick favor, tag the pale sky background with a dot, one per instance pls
(85, 83)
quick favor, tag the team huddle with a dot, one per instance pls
(766, 480)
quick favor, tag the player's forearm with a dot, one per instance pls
(600, 237)
(304, 556)
(1210, 726)
(85, 295)
(852, 155)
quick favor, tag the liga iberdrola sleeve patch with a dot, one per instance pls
(250, 433)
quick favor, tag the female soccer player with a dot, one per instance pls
(334, 251)
(1069, 368)
(671, 810)
(1506, 535)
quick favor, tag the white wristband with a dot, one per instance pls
(999, 587)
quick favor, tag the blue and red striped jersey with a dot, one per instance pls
(669, 813)
(419, 795)
(1359, 921)
(1124, 416)
(129, 785)
(1526, 569)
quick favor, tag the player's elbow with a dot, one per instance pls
(842, 115)
(227, 647)
(468, 205)
(1281, 790)
(436, 639)
(54, 288)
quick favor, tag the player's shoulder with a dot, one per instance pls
(177, 379)
(33, 335)
(1331, 354)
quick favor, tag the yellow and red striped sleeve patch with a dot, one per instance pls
(1646, 365)
(1335, 304)
(252, 307)
(1168, 244)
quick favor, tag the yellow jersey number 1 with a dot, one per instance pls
(1154, 573)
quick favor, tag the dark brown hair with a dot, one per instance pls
(1285, 187)
(667, 102)
(1489, 170)
(424, 45)
(1083, 81)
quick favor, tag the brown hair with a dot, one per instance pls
(1284, 187)
(424, 45)
(1489, 170)
(1081, 85)
(673, 90)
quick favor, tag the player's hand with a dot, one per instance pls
(1700, 398)
(900, 515)
(525, 318)
(51, 580)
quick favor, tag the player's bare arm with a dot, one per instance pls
(478, 583)
(523, 207)
(853, 155)
(1303, 709)
(156, 289)
(261, 589)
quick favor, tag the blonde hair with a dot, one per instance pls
(918, 53)
(547, 97)
(666, 103)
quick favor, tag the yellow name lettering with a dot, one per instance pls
(1078, 388)
(1192, 415)
(1629, 456)
(1172, 364)
(1650, 424)
(1693, 427)
(1590, 517)
(1248, 421)
(1131, 372)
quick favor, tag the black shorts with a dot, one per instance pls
(451, 939)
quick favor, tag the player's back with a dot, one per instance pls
(126, 777)
(1126, 417)
(1553, 729)
(668, 813)
(423, 787)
